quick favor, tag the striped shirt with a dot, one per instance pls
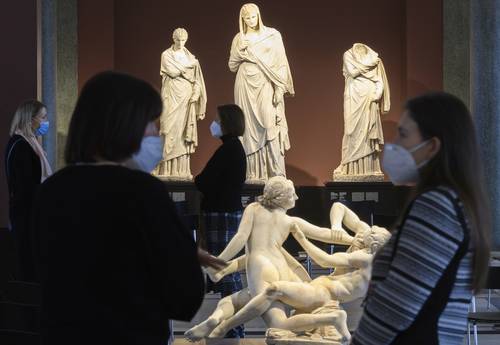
(421, 279)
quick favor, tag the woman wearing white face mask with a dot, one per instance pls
(221, 183)
(424, 277)
(115, 260)
(26, 167)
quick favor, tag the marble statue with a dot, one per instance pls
(366, 96)
(276, 281)
(262, 79)
(184, 102)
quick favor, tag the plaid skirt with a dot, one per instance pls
(220, 228)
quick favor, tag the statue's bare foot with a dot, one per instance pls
(340, 323)
(202, 330)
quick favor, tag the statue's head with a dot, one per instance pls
(180, 36)
(278, 193)
(250, 17)
(375, 238)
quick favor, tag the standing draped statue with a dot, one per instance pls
(262, 79)
(366, 96)
(184, 102)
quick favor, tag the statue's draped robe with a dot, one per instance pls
(366, 96)
(178, 120)
(262, 68)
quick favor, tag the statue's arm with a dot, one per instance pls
(341, 214)
(319, 256)
(169, 69)
(323, 234)
(236, 55)
(236, 265)
(357, 259)
(239, 240)
(351, 69)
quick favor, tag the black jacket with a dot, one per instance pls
(222, 179)
(23, 170)
(115, 260)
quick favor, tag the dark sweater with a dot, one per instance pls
(222, 179)
(23, 170)
(115, 260)
(420, 288)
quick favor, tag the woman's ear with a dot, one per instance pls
(435, 146)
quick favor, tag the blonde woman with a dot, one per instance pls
(26, 167)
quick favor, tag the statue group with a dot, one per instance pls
(263, 79)
(278, 283)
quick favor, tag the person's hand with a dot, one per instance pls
(244, 44)
(358, 242)
(194, 98)
(208, 260)
(278, 96)
(213, 274)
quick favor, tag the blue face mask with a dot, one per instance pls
(215, 129)
(43, 129)
(150, 154)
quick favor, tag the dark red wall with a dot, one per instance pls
(130, 35)
(95, 38)
(18, 70)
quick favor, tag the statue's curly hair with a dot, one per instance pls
(275, 191)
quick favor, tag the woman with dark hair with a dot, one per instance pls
(26, 166)
(115, 260)
(424, 277)
(221, 183)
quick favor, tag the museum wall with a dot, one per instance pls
(129, 36)
(18, 66)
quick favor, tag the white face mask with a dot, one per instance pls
(150, 154)
(400, 165)
(215, 129)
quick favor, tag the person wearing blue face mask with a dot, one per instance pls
(115, 261)
(424, 277)
(221, 183)
(26, 167)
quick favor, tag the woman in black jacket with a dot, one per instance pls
(116, 262)
(26, 167)
(221, 183)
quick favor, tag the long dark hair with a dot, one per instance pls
(110, 117)
(457, 165)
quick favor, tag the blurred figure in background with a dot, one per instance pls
(26, 167)
(221, 183)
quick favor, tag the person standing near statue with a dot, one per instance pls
(262, 79)
(184, 99)
(26, 167)
(221, 183)
(366, 96)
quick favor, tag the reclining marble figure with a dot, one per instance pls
(276, 280)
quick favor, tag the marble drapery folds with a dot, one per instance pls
(262, 78)
(184, 98)
(366, 96)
